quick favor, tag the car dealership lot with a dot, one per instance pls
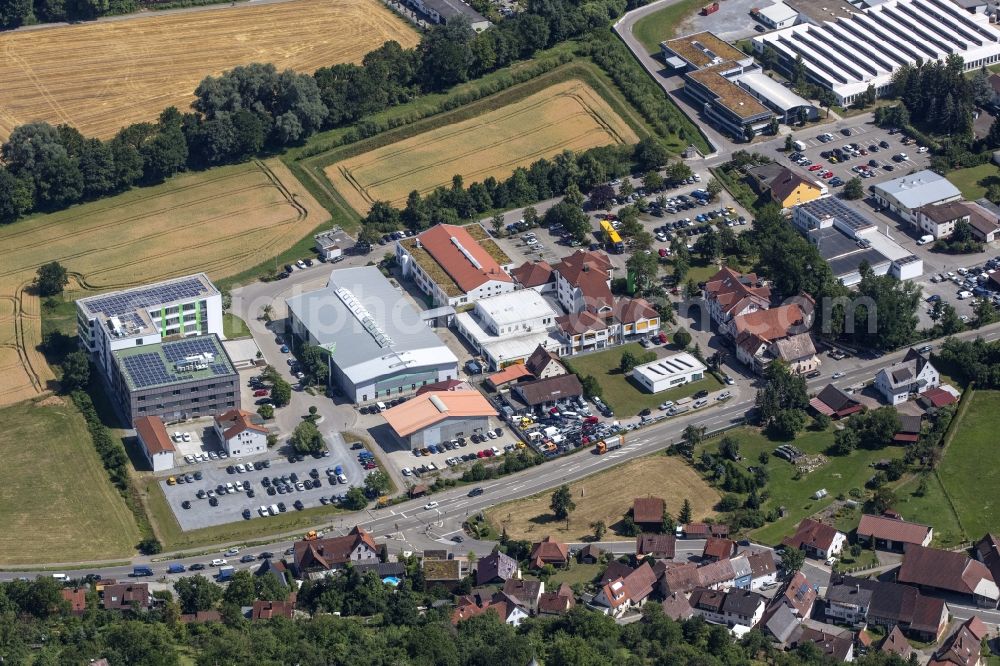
(231, 505)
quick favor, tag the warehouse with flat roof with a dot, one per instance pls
(904, 195)
(668, 372)
(846, 53)
(376, 342)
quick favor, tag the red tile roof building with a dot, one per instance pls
(265, 610)
(944, 570)
(557, 602)
(549, 551)
(730, 294)
(816, 539)
(964, 647)
(154, 442)
(76, 598)
(648, 511)
(717, 548)
(892, 534)
(583, 283)
(660, 546)
(335, 552)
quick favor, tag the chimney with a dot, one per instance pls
(418, 242)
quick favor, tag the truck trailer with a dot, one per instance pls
(609, 444)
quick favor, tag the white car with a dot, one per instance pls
(187, 437)
(837, 375)
(189, 459)
(725, 395)
(300, 263)
(177, 436)
(219, 562)
(235, 550)
(430, 505)
(406, 471)
(262, 510)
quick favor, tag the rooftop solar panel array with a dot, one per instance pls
(175, 351)
(156, 368)
(829, 207)
(123, 302)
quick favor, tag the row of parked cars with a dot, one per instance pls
(461, 442)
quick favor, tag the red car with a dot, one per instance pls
(260, 392)
(370, 465)
(480, 454)
(828, 174)
(591, 420)
(815, 167)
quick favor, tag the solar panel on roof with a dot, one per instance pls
(147, 297)
(174, 351)
(149, 369)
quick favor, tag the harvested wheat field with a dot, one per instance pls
(102, 76)
(569, 115)
(608, 496)
(222, 221)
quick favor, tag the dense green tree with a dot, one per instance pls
(75, 371)
(562, 503)
(50, 279)
(792, 559)
(686, 516)
(650, 154)
(853, 189)
(281, 391)
(307, 438)
(356, 499)
(240, 590)
(197, 593)
(315, 366)
(682, 338)
(377, 482)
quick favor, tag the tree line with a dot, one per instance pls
(15, 13)
(36, 628)
(256, 109)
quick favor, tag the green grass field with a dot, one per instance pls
(234, 327)
(58, 504)
(974, 180)
(838, 475)
(662, 25)
(624, 397)
(933, 509)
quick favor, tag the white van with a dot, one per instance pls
(962, 295)
(925, 239)
(799, 145)
(61, 577)
(570, 415)
(273, 509)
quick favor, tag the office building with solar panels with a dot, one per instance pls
(145, 315)
(158, 347)
(378, 344)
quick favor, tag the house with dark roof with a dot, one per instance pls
(496, 567)
(544, 364)
(763, 569)
(331, 553)
(127, 596)
(676, 607)
(272, 567)
(733, 608)
(848, 600)
(679, 578)
(542, 393)
(817, 539)
(910, 426)
(618, 596)
(839, 647)
(729, 294)
(719, 575)
(659, 546)
(705, 530)
(856, 601)
(717, 548)
(549, 551)
(945, 571)
(524, 592)
(887, 533)
(198, 617)
(647, 513)
(557, 602)
(455, 265)
(614, 570)
(987, 551)
(914, 374)
(590, 554)
(964, 647)
(836, 404)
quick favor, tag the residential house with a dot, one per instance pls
(719, 575)
(512, 373)
(508, 609)
(584, 331)
(496, 567)
(893, 534)
(543, 393)
(241, 433)
(537, 275)
(544, 364)
(817, 539)
(781, 622)
(583, 283)
(763, 570)
(848, 601)
(659, 546)
(910, 426)
(913, 375)
(717, 548)
(647, 513)
(273, 567)
(525, 592)
(733, 608)
(858, 601)
(198, 617)
(127, 596)
(154, 442)
(455, 265)
(622, 594)
(949, 572)
(742, 573)
(939, 219)
(266, 610)
(590, 554)
(729, 294)
(76, 597)
(679, 578)
(798, 353)
(798, 595)
(446, 573)
(549, 551)
(677, 607)
(834, 403)
(839, 647)
(326, 554)
(556, 603)
(636, 318)
(896, 643)
(987, 551)
(783, 186)
(614, 571)
(964, 647)
(756, 333)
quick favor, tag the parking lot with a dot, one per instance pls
(231, 505)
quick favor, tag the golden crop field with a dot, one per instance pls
(569, 115)
(608, 496)
(104, 75)
(221, 221)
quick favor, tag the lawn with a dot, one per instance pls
(566, 116)
(625, 397)
(973, 181)
(933, 509)
(662, 25)
(222, 221)
(974, 487)
(234, 327)
(575, 573)
(102, 76)
(838, 475)
(608, 496)
(58, 504)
